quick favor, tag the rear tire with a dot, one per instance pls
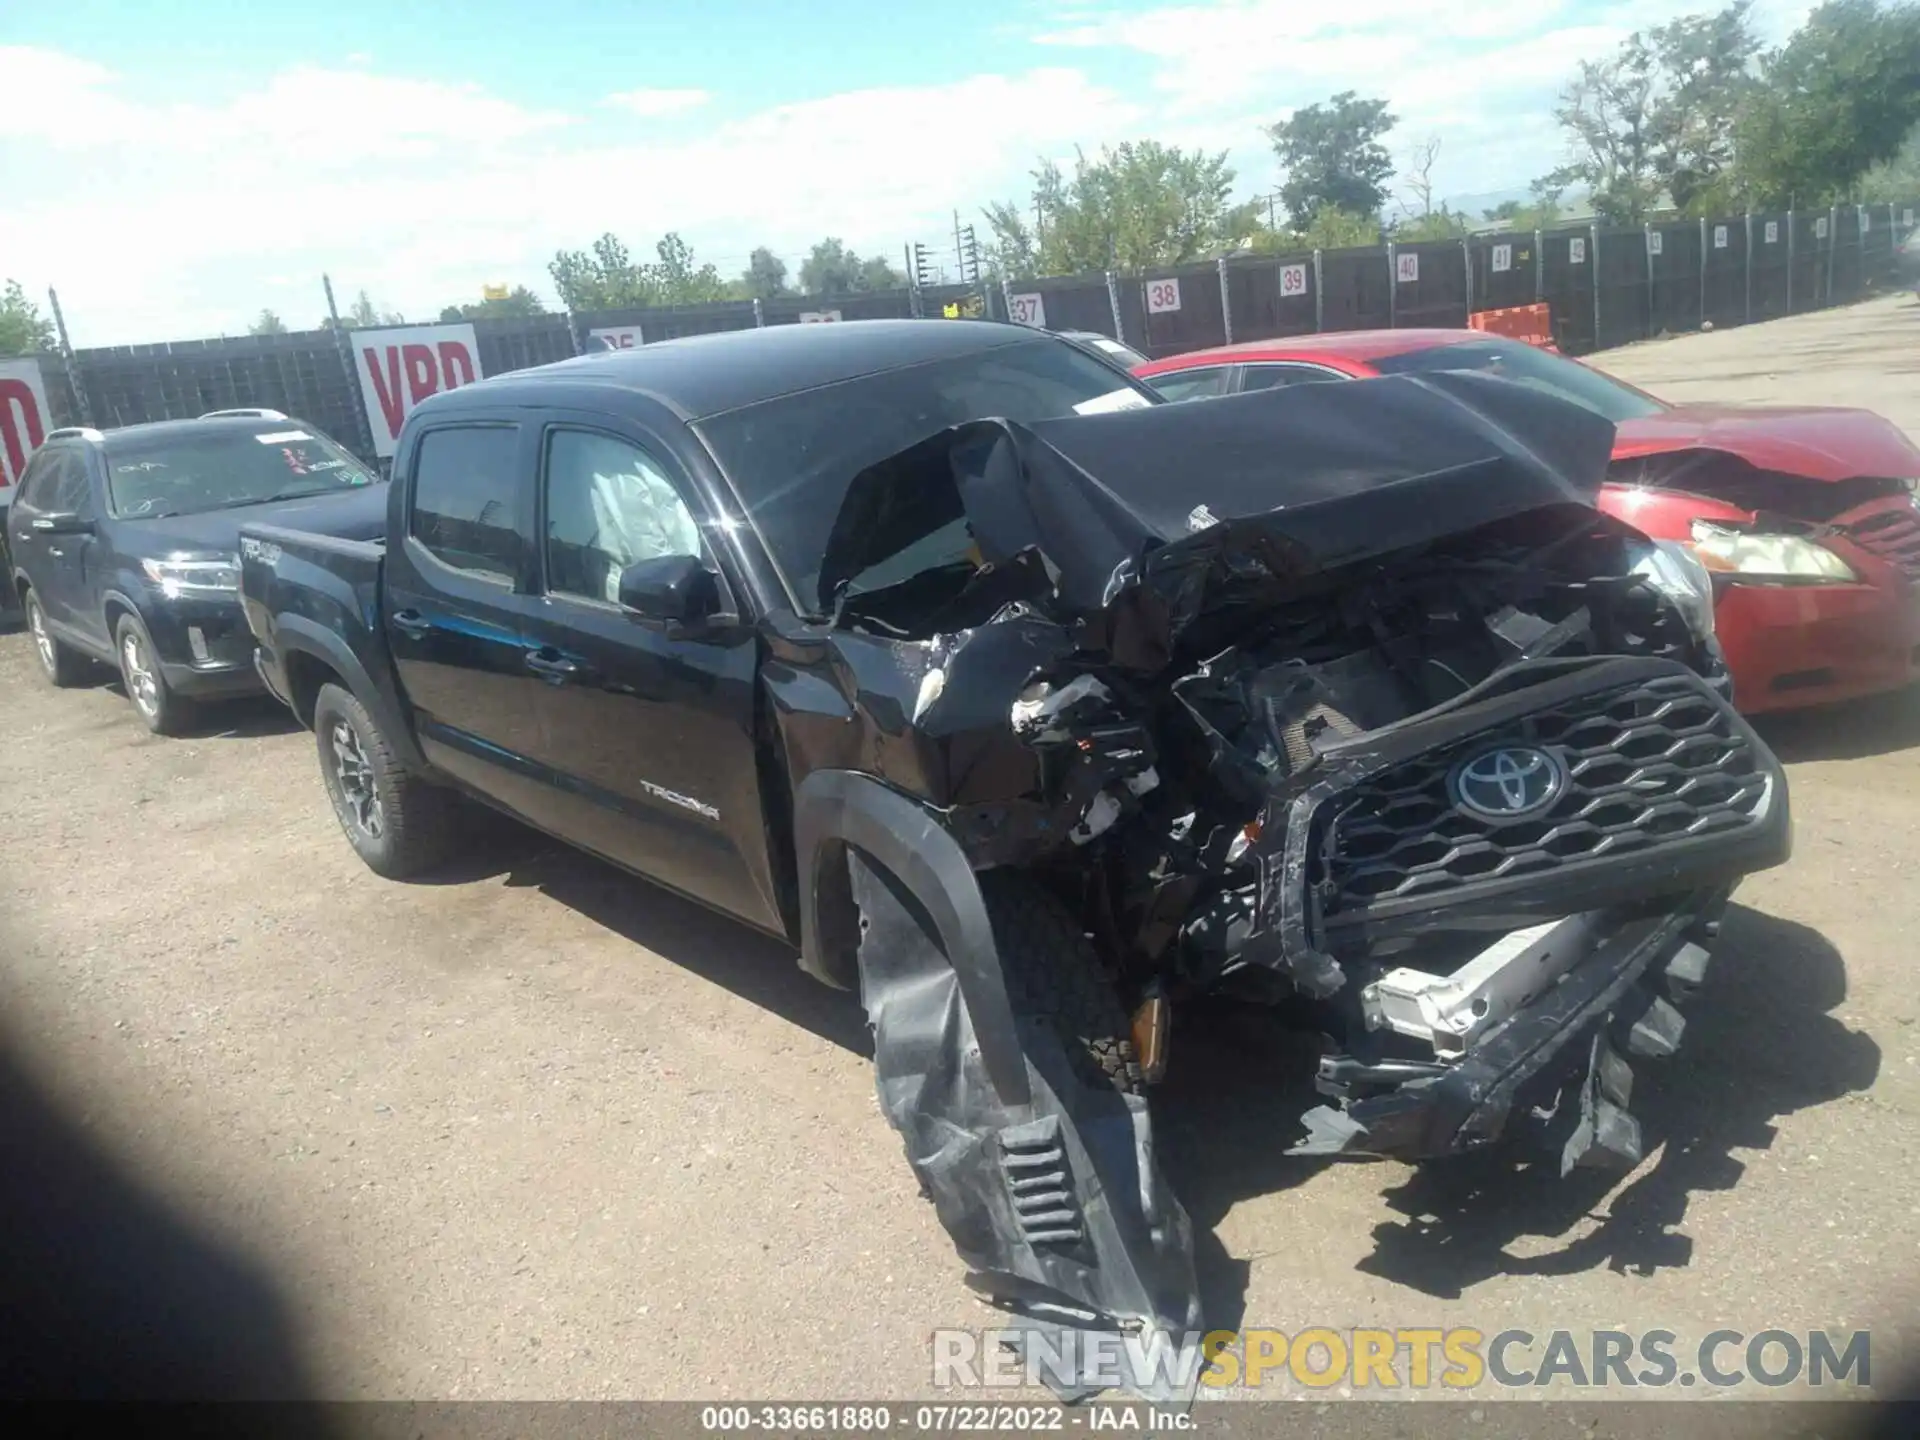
(399, 824)
(63, 667)
(159, 708)
(1054, 978)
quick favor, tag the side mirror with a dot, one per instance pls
(62, 523)
(670, 590)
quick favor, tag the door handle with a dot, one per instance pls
(549, 664)
(411, 623)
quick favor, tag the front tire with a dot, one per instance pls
(1054, 979)
(396, 822)
(154, 701)
(63, 667)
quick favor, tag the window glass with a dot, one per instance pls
(609, 505)
(66, 489)
(1272, 377)
(466, 506)
(33, 480)
(1191, 384)
(1536, 369)
(224, 467)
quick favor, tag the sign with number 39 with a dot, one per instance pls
(1293, 280)
(1162, 296)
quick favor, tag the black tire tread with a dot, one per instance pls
(69, 665)
(1053, 975)
(177, 713)
(419, 816)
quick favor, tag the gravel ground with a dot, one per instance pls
(538, 1130)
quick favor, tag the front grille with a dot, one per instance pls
(1893, 535)
(1645, 765)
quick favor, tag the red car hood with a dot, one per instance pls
(1817, 443)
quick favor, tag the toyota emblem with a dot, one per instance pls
(1502, 784)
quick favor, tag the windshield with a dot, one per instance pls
(792, 458)
(1531, 367)
(226, 468)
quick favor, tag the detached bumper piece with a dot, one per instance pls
(1561, 1070)
(1053, 1198)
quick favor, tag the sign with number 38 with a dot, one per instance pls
(1162, 296)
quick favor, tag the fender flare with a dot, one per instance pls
(298, 635)
(837, 810)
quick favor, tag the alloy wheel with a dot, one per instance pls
(142, 685)
(354, 774)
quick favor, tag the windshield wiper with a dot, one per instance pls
(276, 496)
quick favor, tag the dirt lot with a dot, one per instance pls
(541, 1131)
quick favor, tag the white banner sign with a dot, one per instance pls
(1406, 266)
(1576, 251)
(24, 420)
(1029, 310)
(1656, 242)
(1820, 228)
(401, 366)
(818, 317)
(1773, 232)
(1719, 237)
(615, 337)
(1293, 280)
(1163, 296)
(1864, 226)
(1906, 217)
(1502, 259)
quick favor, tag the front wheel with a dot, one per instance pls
(160, 709)
(396, 822)
(62, 666)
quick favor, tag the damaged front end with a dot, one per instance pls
(1340, 694)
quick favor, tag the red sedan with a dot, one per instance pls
(1808, 518)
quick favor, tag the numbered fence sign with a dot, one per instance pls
(1656, 242)
(1906, 217)
(819, 317)
(1502, 259)
(1820, 228)
(1406, 267)
(1293, 280)
(1719, 237)
(1773, 232)
(1028, 310)
(1576, 251)
(1864, 218)
(1162, 296)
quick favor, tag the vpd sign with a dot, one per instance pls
(24, 419)
(402, 365)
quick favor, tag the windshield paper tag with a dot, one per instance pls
(1112, 400)
(283, 437)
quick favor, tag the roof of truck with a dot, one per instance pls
(705, 375)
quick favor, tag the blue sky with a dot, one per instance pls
(174, 170)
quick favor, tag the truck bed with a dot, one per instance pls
(317, 596)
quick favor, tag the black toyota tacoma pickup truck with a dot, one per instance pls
(1030, 707)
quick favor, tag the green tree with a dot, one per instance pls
(1841, 96)
(364, 315)
(1441, 224)
(765, 277)
(1895, 179)
(1607, 111)
(1139, 205)
(1703, 68)
(23, 330)
(606, 277)
(517, 303)
(1332, 228)
(268, 324)
(832, 269)
(1333, 155)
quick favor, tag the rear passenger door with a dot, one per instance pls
(647, 736)
(458, 585)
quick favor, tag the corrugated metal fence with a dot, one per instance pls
(1604, 287)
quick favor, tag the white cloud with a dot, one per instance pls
(161, 221)
(650, 103)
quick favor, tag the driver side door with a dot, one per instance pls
(646, 736)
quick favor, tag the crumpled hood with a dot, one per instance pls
(1818, 443)
(1145, 508)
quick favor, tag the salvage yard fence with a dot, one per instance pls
(1599, 286)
